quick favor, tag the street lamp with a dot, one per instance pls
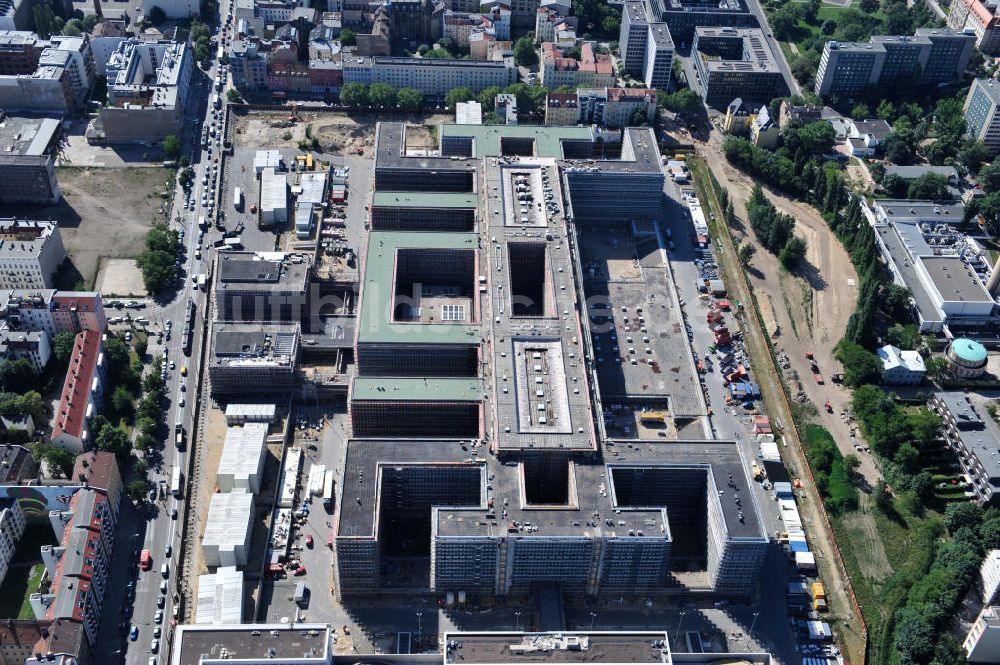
(517, 621)
(678, 631)
(420, 628)
(593, 616)
(752, 624)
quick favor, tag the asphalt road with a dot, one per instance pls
(154, 528)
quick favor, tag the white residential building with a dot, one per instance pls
(982, 643)
(901, 368)
(228, 529)
(30, 253)
(989, 575)
(11, 529)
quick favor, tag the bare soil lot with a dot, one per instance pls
(338, 133)
(105, 213)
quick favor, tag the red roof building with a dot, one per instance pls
(591, 70)
(81, 394)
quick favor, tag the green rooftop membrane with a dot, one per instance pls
(417, 389)
(424, 200)
(376, 324)
(548, 140)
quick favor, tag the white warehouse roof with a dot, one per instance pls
(227, 530)
(220, 597)
(273, 190)
(242, 458)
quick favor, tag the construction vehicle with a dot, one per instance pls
(818, 596)
(653, 418)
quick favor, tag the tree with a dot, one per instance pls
(963, 513)
(929, 187)
(524, 52)
(138, 490)
(810, 10)
(113, 440)
(122, 402)
(382, 95)
(894, 185)
(62, 346)
(456, 95)
(896, 299)
(785, 20)
(58, 461)
(233, 96)
(972, 154)
(860, 365)
(26, 404)
(914, 635)
(410, 98)
(830, 26)
(989, 177)
(686, 102)
(886, 111)
(438, 53)
(868, 6)
(18, 375)
(354, 94)
(792, 253)
(908, 458)
(746, 252)
(172, 146)
(144, 443)
(860, 112)
(935, 365)
(347, 37)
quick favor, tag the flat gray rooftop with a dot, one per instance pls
(257, 642)
(904, 264)
(721, 460)
(252, 341)
(22, 136)
(605, 648)
(269, 271)
(955, 280)
(944, 212)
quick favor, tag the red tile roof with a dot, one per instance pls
(617, 94)
(72, 410)
(588, 62)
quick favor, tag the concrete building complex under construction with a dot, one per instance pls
(474, 344)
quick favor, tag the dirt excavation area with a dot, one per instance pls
(337, 133)
(105, 213)
(810, 308)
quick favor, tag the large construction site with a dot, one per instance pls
(521, 378)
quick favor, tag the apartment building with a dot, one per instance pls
(901, 368)
(434, 76)
(553, 26)
(592, 69)
(82, 394)
(932, 56)
(248, 66)
(53, 312)
(982, 114)
(30, 253)
(12, 525)
(735, 63)
(614, 107)
(646, 44)
(17, 466)
(78, 565)
(982, 643)
(31, 346)
(27, 162)
(16, 15)
(974, 440)
(252, 644)
(561, 108)
(981, 19)
(148, 86)
(251, 358)
(989, 577)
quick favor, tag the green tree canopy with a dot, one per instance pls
(929, 187)
(410, 98)
(860, 366)
(456, 95)
(354, 94)
(382, 95)
(524, 52)
(62, 346)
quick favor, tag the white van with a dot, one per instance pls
(165, 570)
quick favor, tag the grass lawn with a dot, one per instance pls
(805, 30)
(25, 572)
